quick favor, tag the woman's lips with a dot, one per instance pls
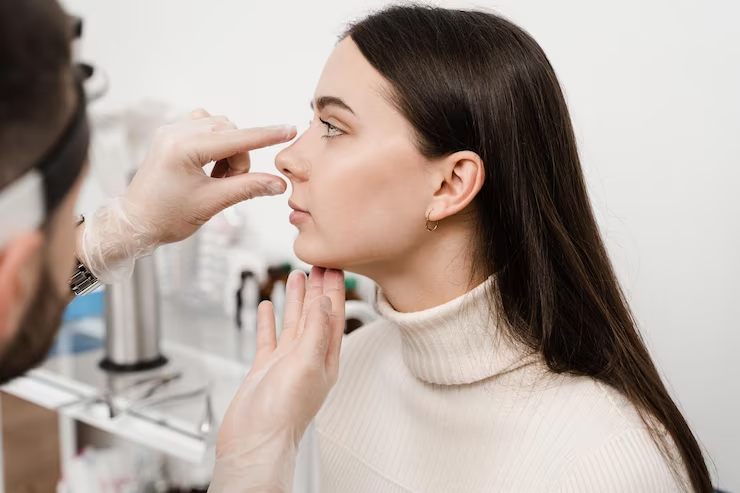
(298, 215)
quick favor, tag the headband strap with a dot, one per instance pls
(27, 202)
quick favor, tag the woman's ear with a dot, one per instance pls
(458, 179)
(20, 261)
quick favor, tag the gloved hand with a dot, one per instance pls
(170, 196)
(286, 386)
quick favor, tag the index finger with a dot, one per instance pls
(313, 290)
(266, 338)
(226, 143)
(295, 294)
(334, 289)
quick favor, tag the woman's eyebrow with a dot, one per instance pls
(324, 101)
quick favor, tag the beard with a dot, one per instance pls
(38, 329)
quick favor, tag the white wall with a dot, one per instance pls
(654, 90)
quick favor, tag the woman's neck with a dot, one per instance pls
(432, 274)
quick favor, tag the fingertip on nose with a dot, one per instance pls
(287, 131)
(276, 187)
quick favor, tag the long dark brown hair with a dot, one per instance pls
(469, 80)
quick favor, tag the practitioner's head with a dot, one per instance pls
(40, 115)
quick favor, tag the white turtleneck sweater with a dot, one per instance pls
(438, 401)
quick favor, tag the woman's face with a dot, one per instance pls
(356, 173)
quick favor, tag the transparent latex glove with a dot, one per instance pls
(286, 386)
(171, 196)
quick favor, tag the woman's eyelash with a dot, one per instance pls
(332, 130)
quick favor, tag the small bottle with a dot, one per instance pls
(274, 273)
(247, 300)
(350, 288)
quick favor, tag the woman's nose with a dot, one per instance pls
(291, 164)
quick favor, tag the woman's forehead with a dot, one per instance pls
(349, 76)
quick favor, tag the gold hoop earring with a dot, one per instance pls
(436, 224)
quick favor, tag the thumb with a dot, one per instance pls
(231, 190)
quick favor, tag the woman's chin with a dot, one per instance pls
(313, 254)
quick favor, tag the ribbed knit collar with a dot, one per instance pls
(455, 343)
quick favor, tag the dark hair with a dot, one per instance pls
(468, 80)
(36, 84)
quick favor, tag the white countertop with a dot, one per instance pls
(206, 349)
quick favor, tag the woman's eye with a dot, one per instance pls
(331, 130)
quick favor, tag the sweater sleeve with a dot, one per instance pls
(628, 462)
